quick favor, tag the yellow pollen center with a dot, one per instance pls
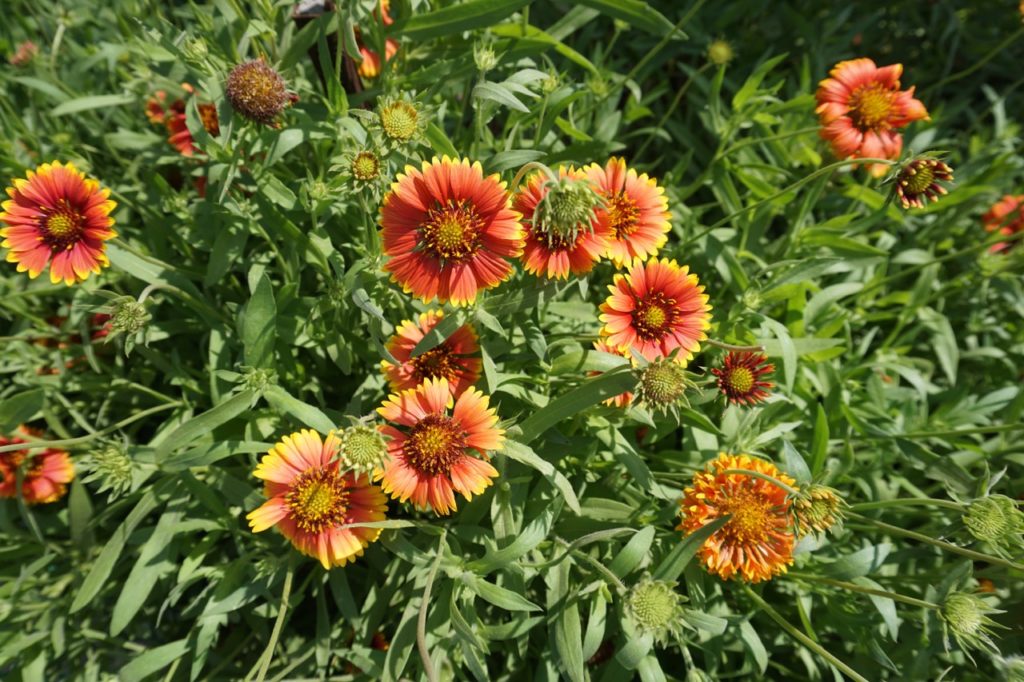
(399, 121)
(365, 166)
(60, 225)
(315, 501)
(623, 212)
(451, 232)
(749, 517)
(920, 180)
(741, 379)
(653, 316)
(318, 500)
(871, 106)
(434, 445)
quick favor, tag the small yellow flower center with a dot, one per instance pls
(741, 379)
(436, 363)
(653, 316)
(624, 214)
(919, 179)
(871, 106)
(750, 517)
(60, 225)
(318, 500)
(434, 445)
(365, 166)
(399, 120)
(62, 228)
(451, 232)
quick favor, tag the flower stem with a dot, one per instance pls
(64, 442)
(527, 167)
(907, 502)
(282, 610)
(740, 349)
(994, 428)
(421, 620)
(947, 546)
(802, 638)
(854, 587)
(764, 477)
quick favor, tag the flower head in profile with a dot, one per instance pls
(742, 379)
(456, 359)
(818, 509)
(312, 500)
(563, 233)
(45, 475)
(448, 231)
(756, 543)
(861, 108)
(59, 217)
(1007, 218)
(258, 92)
(370, 65)
(625, 398)
(965, 616)
(657, 307)
(918, 182)
(441, 447)
(635, 209)
(997, 521)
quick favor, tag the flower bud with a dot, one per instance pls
(365, 166)
(655, 607)
(112, 467)
(720, 52)
(128, 316)
(257, 92)
(663, 383)
(965, 616)
(997, 521)
(363, 448)
(399, 119)
(918, 182)
(818, 509)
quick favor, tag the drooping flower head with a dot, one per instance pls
(861, 107)
(311, 499)
(457, 359)
(58, 216)
(258, 92)
(756, 543)
(625, 398)
(918, 182)
(448, 231)
(440, 449)
(1007, 218)
(45, 476)
(741, 377)
(635, 210)
(563, 233)
(173, 118)
(656, 308)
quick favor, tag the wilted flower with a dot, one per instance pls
(965, 616)
(918, 182)
(997, 521)
(817, 509)
(656, 608)
(257, 92)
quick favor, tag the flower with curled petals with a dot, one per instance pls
(756, 543)
(861, 107)
(563, 233)
(59, 217)
(456, 359)
(312, 500)
(635, 210)
(742, 377)
(448, 231)
(655, 308)
(442, 446)
(45, 477)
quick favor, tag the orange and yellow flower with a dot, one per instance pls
(312, 500)
(173, 118)
(448, 231)
(554, 255)
(636, 211)
(756, 543)
(456, 359)
(1007, 218)
(57, 216)
(370, 65)
(740, 379)
(46, 475)
(656, 308)
(443, 449)
(861, 107)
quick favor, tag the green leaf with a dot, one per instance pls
(592, 392)
(636, 13)
(819, 446)
(275, 190)
(259, 327)
(448, 325)
(859, 563)
(752, 642)
(794, 464)
(497, 93)
(499, 596)
(20, 408)
(583, 361)
(152, 661)
(304, 413)
(944, 341)
(199, 426)
(74, 106)
(568, 630)
(754, 81)
(671, 567)
(153, 561)
(529, 537)
(524, 455)
(464, 16)
(79, 515)
(440, 142)
(633, 553)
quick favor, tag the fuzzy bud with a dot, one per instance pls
(111, 467)
(663, 383)
(655, 607)
(720, 52)
(257, 92)
(363, 448)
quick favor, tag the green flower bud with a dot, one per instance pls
(655, 607)
(997, 521)
(110, 466)
(966, 617)
(663, 383)
(363, 449)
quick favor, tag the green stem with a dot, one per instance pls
(763, 477)
(941, 544)
(907, 502)
(527, 167)
(421, 620)
(802, 638)
(769, 138)
(35, 445)
(978, 64)
(740, 349)
(672, 108)
(995, 428)
(854, 587)
(268, 653)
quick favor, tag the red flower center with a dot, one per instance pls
(434, 445)
(451, 231)
(436, 363)
(62, 227)
(318, 500)
(751, 520)
(623, 212)
(654, 316)
(871, 106)
(741, 379)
